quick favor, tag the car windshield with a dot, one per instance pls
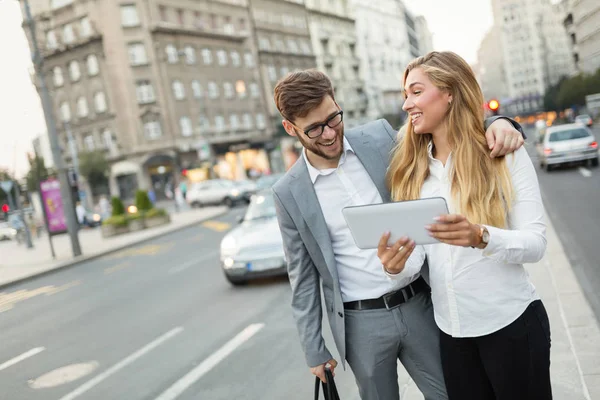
(267, 181)
(568, 135)
(261, 206)
(582, 116)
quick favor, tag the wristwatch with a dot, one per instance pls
(484, 237)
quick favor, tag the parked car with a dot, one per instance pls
(215, 191)
(247, 187)
(254, 248)
(568, 143)
(7, 232)
(584, 119)
(267, 181)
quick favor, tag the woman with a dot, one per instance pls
(494, 330)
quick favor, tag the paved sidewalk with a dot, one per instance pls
(575, 331)
(18, 263)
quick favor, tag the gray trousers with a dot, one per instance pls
(377, 339)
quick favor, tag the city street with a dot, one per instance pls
(571, 196)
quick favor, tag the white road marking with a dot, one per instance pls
(121, 364)
(191, 377)
(191, 263)
(585, 172)
(22, 357)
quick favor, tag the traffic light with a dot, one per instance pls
(494, 106)
(5, 208)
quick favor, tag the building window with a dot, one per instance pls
(284, 71)
(144, 92)
(293, 46)
(190, 55)
(235, 59)
(51, 42)
(137, 54)
(264, 43)
(74, 71)
(254, 92)
(85, 27)
(242, 25)
(178, 90)
(306, 48)
(185, 123)
(68, 35)
(240, 88)
(234, 122)
(88, 141)
(54, 4)
(213, 21)
(129, 16)
(180, 17)
(162, 10)
(152, 130)
(228, 90)
(219, 123)
(204, 123)
(196, 89)
(107, 139)
(58, 76)
(247, 120)
(222, 57)
(100, 102)
(82, 107)
(249, 60)
(260, 121)
(172, 56)
(213, 90)
(207, 56)
(272, 73)
(65, 111)
(92, 65)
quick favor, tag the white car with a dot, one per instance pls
(563, 144)
(7, 232)
(214, 192)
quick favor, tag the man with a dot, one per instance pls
(374, 323)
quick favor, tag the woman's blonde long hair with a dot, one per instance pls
(481, 185)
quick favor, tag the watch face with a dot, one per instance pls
(486, 237)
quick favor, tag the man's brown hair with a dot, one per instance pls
(300, 92)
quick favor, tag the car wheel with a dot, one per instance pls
(595, 162)
(228, 202)
(236, 281)
(548, 167)
(196, 204)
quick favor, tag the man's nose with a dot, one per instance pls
(328, 133)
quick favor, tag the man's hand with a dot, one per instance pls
(319, 370)
(394, 258)
(502, 138)
(456, 230)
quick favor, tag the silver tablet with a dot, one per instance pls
(402, 218)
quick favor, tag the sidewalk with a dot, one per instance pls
(575, 352)
(18, 263)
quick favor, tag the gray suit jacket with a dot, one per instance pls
(308, 246)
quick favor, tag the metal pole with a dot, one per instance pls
(22, 215)
(65, 191)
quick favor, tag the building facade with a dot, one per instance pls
(582, 22)
(334, 42)
(159, 86)
(424, 36)
(490, 67)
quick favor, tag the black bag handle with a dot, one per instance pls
(329, 389)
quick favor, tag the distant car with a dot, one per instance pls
(7, 232)
(584, 119)
(247, 187)
(255, 248)
(267, 181)
(565, 144)
(215, 191)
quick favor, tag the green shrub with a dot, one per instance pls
(116, 220)
(135, 216)
(156, 212)
(117, 206)
(142, 201)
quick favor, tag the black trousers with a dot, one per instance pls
(510, 364)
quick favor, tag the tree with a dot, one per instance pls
(37, 172)
(117, 207)
(142, 201)
(551, 95)
(94, 167)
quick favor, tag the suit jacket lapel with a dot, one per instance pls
(374, 161)
(304, 193)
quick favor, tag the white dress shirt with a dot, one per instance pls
(360, 272)
(476, 292)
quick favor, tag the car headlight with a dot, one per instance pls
(235, 192)
(96, 217)
(13, 232)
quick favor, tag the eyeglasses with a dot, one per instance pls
(332, 122)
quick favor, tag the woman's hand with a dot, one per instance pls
(456, 230)
(394, 258)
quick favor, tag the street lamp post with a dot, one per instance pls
(38, 62)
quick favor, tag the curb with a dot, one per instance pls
(81, 259)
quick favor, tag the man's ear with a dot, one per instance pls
(289, 128)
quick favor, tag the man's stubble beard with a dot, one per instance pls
(316, 149)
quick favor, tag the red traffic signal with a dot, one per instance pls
(493, 105)
(5, 208)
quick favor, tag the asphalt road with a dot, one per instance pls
(571, 195)
(156, 321)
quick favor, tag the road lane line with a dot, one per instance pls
(192, 377)
(22, 357)
(216, 225)
(191, 263)
(116, 268)
(121, 364)
(585, 172)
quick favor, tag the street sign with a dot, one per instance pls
(6, 186)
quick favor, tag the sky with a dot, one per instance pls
(21, 118)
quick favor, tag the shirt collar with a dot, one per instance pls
(314, 172)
